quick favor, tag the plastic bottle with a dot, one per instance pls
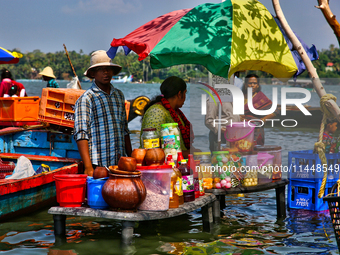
(179, 158)
(191, 164)
(169, 159)
(174, 199)
(188, 182)
(178, 185)
(200, 180)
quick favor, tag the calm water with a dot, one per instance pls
(249, 225)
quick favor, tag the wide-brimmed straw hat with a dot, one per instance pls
(47, 72)
(100, 58)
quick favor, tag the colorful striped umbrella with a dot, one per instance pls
(227, 37)
(7, 57)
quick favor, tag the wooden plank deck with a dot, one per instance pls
(279, 186)
(134, 216)
(210, 210)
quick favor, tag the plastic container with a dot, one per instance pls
(333, 201)
(150, 138)
(94, 193)
(194, 170)
(265, 167)
(157, 181)
(240, 136)
(71, 189)
(57, 106)
(306, 166)
(277, 161)
(187, 182)
(304, 195)
(19, 109)
(170, 139)
(204, 170)
(174, 193)
(6, 168)
(221, 163)
(251, 169)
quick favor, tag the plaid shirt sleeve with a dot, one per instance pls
(82, 120)
(126, 128)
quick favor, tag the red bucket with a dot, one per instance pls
(71, 189)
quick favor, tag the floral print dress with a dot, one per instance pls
(154, 117)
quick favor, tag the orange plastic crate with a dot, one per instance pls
(57, 106)
(19, 108)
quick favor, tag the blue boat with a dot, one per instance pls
(57, 150)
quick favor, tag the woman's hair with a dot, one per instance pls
(169, 88)
(6, 74)
(245, 85)
(331, 121)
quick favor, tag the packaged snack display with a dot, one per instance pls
(170, 139)
(150, 138)
(265, 164)
(277, 160)
(250, 171)
(204, 172)
(227, 166)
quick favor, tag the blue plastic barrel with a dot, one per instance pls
(94, 193)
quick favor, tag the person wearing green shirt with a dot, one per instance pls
(166, 109)
(48, 76)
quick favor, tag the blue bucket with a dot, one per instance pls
(94, 193)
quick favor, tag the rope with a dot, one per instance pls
(320, 146)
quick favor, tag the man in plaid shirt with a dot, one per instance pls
(101, 126)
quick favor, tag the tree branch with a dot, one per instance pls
(330, 17)
(320, 90)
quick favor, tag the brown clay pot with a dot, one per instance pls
(100, 172)
(139, 155)
(125, 192)
(154, 157)
(127, 164)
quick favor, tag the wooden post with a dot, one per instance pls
(127, 232)
(216, 211)
(281, 202)
(331, 105)
(207, 217)
(69, 60)
(59, 229)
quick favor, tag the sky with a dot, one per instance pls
(90, 25)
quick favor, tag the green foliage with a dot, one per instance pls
(33, 62)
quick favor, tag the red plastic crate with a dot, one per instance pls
(6, 168)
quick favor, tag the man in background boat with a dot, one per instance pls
(330, 128)
(101, 126)
(48, 76)
(260, 102)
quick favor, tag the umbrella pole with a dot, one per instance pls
(69, 60)
(331, 105)
(219, 128)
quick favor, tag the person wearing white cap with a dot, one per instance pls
(101, 127)
(48, 76)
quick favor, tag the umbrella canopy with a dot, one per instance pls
(227, 37)
(7, 57)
